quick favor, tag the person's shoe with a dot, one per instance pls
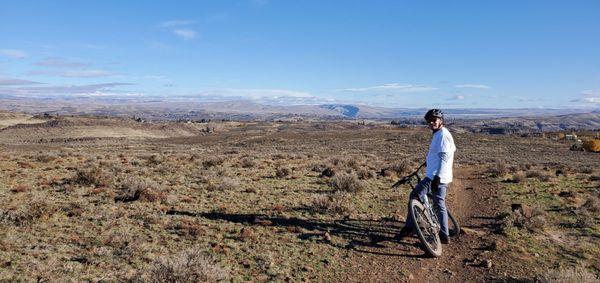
(404, 232)
(444, 239)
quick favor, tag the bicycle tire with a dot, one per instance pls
(453, 226)
(430, 240)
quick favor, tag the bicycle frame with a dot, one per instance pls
(430, 214)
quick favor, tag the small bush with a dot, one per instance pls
(45, 158)
(574, 274)
(136, 188)
(327, 203)
(317, 167)
(518, 177)
(533, 219)
(282, 172)
(586, 170)
(542, 176)
(328, 172)
(189, 266)
(24, 214)
(213, 161)
(92, 176)
(155, 159)
(21, 188)
(538, 221)
(353, 163)
(248, 162)
(347, 182)
(497, 170)
(226, 184)
(189, 228)
(365, 174)
(591, 205)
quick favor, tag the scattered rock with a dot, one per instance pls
(523, 209)
(472, 231)
(247, 233)
(487, 263)
(328, 172)
(449, 272)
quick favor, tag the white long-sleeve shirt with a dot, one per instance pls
(441, 142)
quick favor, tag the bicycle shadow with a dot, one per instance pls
(365, 236)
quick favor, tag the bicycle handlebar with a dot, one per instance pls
(407, 179)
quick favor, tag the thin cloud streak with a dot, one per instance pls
(476, 86)
(13, 53)
(256, 93)
(56, 62)
(60, 90)
(395, 87)
(16, 82)
(177, 23)
(72, 73)
(186, 34)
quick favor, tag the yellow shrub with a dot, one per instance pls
(592, 145)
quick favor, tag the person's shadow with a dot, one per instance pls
(361, 235)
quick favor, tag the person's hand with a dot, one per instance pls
(435, 182)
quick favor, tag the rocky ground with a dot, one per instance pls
(102, 199)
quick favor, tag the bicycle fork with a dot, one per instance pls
(430, 214)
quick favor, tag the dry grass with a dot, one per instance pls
(347, 182)
(329, 203)
(64, 219)
(568, 275)
(192, 265)
(142, 189)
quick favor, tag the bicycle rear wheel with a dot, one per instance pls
(453, 226)
(428, 235)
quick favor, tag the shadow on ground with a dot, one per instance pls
(364, 236)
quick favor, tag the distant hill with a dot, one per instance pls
(164, 109)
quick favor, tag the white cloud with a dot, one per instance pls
(72, 73)
(57, 62)
(477, 86)
(176, 23)
(11, 81)
(256, 93)
(154, 77)
(87, 74)
(186, 34)
(591, 92)
(459, 97)
(13, 53)
(590, 97)
(60, 90)
(395, 87)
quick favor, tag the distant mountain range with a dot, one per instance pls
(165, 109)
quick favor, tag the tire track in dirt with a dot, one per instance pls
(468, 257)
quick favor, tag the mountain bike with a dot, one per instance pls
(424, 215)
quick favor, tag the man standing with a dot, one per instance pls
(438, 173)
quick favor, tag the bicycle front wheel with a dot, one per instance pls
(427, 233)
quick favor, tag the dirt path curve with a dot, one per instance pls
(469, 257)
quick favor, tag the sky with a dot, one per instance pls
(446, 54)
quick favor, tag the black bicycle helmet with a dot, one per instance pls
(434, 113)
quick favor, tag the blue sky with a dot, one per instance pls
(493, 54)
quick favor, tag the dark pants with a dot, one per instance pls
(439, 200)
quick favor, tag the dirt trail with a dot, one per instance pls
(469, 257)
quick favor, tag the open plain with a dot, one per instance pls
(111, 199)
